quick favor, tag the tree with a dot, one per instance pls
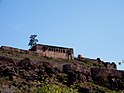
(33, 41)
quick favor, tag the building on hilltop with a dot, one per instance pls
(53, 51)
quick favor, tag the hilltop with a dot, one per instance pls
(24, 71)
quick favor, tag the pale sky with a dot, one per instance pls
(94, 28)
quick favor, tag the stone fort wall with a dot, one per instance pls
(54, 52)
(50, 52)
(11, 49)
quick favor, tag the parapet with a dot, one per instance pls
(11, 49)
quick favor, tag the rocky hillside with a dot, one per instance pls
(23, 71)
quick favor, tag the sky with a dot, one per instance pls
(94, 28)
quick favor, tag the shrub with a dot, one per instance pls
(54, 88)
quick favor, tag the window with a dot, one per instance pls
(56, 50)
(50, 49)
(71, 51)
(63, 51)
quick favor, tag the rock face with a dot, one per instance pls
(76, 73)
(28, 71)
(25, 71)
(110, 78)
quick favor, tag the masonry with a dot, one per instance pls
(53, 51)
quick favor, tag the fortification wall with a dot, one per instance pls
(46, 53)
(11, 49)
(54, 52)
(56, 55)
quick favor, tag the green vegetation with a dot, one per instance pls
(53, 88)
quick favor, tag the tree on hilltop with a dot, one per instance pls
(33, 41)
